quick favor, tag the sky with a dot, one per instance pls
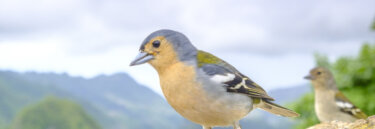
(271, 41)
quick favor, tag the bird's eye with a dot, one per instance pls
(319, 73)
(156, 43)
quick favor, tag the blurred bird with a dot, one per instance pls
(200, 86)
(330, 103)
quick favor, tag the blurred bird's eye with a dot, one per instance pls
(156, 43)
(319, 73)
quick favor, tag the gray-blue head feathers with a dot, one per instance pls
(181, 44)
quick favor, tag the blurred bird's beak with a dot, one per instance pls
(141, 58)
(309, 77)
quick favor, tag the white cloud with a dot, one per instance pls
(270, 41)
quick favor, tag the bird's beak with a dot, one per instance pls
(142, 58)
(309, 77)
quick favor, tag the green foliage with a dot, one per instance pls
(305, 107)
(53, 113)
(355, 77)
(373, 25)
(321, 60)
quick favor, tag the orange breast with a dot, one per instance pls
(189, 99)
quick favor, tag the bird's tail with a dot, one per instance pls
(276, 109)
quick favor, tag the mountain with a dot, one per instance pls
(16, 93)
(116, 101)
(287, 95)
(120, 98)
(54, 113)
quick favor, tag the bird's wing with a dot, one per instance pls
(346, 106)
(222, 72)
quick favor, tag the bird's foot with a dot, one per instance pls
(236, 125)
(206, 127)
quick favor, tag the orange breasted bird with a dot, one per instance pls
(200, 86)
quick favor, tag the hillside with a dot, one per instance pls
(116, 101)
(16, 93)
(53, 113)
(124, 102)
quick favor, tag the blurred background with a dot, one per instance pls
(64, 64)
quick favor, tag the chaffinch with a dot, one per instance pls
(200, 86)
(330, 103)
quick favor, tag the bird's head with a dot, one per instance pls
(321, 77)
(163, 48)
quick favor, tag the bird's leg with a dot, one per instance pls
(236, 125)
(206, 127)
